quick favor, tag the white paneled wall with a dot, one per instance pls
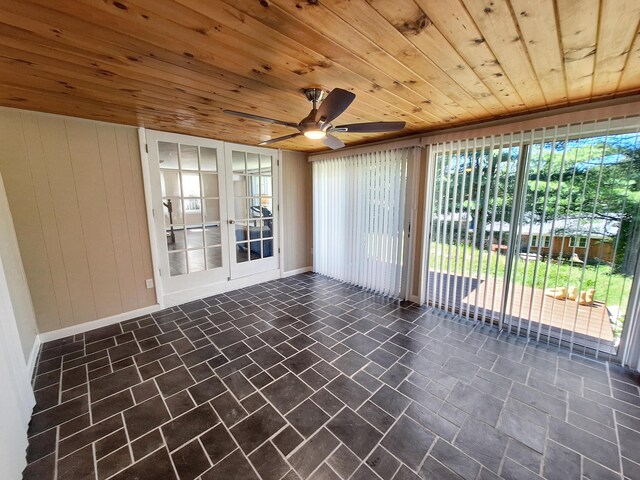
(76, 194)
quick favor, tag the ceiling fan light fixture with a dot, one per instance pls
(318, 124)
(315, 134)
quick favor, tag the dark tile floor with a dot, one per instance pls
(309, 378)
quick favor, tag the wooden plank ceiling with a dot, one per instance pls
(176, 64)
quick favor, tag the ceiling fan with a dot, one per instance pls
(317, 125)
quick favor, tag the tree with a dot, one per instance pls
(595, 177)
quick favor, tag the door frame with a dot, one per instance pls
(167, 299)
(151, 228)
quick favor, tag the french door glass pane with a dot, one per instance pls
(188, 157)
(210, 185)
(265, 185)
(168, 155)
(267, 248)
(208, 159)
(196, 260)
(265, 164)
(253, 163)
(238, 162)
(253, 206)
(214, 257)
(211, 210)
(241, 209)
(177, 263)
(170, 181)
(194, 237)
(191, 207)
(212, 235)
(173, 211)
(193, 211)
(266, 204)
(242, 252)
(175, 239)
(191, 184)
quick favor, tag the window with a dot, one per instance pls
(578, 242)
(192, 205)
(546, 241)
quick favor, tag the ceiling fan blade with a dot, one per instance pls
(333, 106)
(371, 127)
(332, 142)
(259, 118)
(279, 139)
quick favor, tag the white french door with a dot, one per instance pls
(188, 180)
(251, 190)
(213, 211)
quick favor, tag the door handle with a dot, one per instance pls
(231, 222)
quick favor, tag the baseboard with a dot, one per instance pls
(184, 296)
(92, 325)
(33, 356)
(297, 271)
(170, 300)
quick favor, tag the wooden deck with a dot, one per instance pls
(529, 308)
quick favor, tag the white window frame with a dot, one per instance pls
(546, 241)
(573, 244)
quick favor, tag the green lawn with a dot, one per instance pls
(611, 288)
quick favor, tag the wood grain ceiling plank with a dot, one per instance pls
(296, 97)
(144, 84)
(631, 75)
(253, 130)
(618, 27)
(495, 21)
(384, 86)
(135, 100)
(541, 36)
(578, 31)
(183, 71)
(30, 96)
(361, 16)
(342, 33)
(176, 64)
(340, 76)
(16, 97)
(255, 38)
(411, 21)
(457, 27)
(263, 66)
(117, 98)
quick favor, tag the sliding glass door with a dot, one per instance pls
(539, 231)
(474, 188)
(360, 221)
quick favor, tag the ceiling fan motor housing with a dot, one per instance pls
(314, 94)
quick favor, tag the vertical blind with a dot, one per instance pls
(359, 218)
(538, 231)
